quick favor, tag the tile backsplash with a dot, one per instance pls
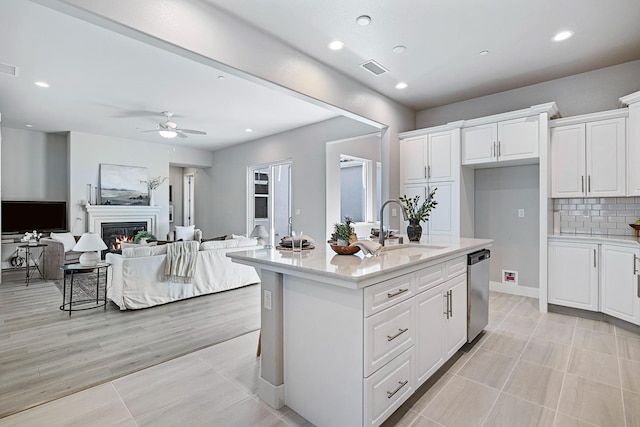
(608, 216)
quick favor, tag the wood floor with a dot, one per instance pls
(45, 354)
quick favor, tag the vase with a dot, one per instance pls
(414, 230)
(152, 197)
(342, 242)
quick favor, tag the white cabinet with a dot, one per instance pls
(515, 139)
(573, 275)
(429, 158)
(442, 220)
(633, 150)
(620, 282)
(588, 159)
(441, 313)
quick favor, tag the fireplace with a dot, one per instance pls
(116, 233)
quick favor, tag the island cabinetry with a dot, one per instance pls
(573, 275)
(514, 139)
(620, 282)
(588, 158)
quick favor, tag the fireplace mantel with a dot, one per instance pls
(97, 214)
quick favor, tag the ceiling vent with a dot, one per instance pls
(374, 68)
(10, 70)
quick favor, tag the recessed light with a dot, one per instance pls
(42, 84)
(221, 77)
(399, 49)
(401, 85)
(29, 126)
(562, 35)
(363, 20)
(484, 52)
(248, 130)
(336, 45)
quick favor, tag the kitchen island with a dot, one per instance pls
(346, 339)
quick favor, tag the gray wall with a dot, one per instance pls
(499, 193)
(589, 92)
(34, 165)
(306, 148)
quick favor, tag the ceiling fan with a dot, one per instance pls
(170, 129)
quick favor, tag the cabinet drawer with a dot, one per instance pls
(388, 293)
(388, 388)
(456, 266)
(387, 334)
(429, 277)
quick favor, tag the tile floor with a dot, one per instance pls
(529, 369)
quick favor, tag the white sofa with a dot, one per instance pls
(136, 278)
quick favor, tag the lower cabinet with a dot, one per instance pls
(596, 277)
(573, 275)
(442, 325)
(620, 282)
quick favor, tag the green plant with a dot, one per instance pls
(417, 211)
(144, 235)
(342, 231)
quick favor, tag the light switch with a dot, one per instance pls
(267, 300)
(297, 211)
(520, 213)
(394, 212)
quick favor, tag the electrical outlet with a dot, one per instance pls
(267, 300)
(394, 212)
(520, 213)
(297, 211)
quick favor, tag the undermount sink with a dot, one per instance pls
(411, 250)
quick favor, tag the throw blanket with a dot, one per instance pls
(180, 264)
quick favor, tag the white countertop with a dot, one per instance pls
(357, 271)
(594, 238)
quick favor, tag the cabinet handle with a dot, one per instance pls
(429, 171)
(499, 148)
(589, 184)
(594, 258)
(425, 172)
(400, 332)
(635, 268)
(446, 302)
(638, 286)
(582, 184)
(450, 303)
(402, 384)
(400, 291)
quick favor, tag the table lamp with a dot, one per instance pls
(90, 244)
(261, 233)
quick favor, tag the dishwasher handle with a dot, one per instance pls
(476, 257)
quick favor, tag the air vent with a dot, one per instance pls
(10, 70)
(374, 68)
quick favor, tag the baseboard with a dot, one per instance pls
(524, 291)
(272, 395)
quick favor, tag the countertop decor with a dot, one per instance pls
(345, 250)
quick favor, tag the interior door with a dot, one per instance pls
(188, 217)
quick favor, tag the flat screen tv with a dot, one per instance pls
(21, 216)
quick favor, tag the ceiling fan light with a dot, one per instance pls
(168, 133)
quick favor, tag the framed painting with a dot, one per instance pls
(123, 185)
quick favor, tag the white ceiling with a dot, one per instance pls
(444, 38)
(105, 83)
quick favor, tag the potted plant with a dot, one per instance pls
(143, 237)
(343, 233)
(417, 212)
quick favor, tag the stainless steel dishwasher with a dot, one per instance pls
(477, 292)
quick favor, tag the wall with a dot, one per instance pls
(306, 148)
(87, 151)
(589, 92)
(607, 216)
(499, 193)
(34, 165)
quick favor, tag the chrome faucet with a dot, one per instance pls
(404, 215)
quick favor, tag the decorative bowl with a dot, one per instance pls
(345, 250)
(636, 228)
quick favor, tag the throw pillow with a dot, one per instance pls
(185, 233)
(144, 251)
(217, 244)
(67, 240)
(236, 236)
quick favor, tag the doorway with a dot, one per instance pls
(189, 189)
(270, 199)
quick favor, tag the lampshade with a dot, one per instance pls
(89, 243)
(261, 233)
(168, 133)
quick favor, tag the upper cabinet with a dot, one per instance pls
(588, 155)
(633, 143)
(507, 140)
(429, 157)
